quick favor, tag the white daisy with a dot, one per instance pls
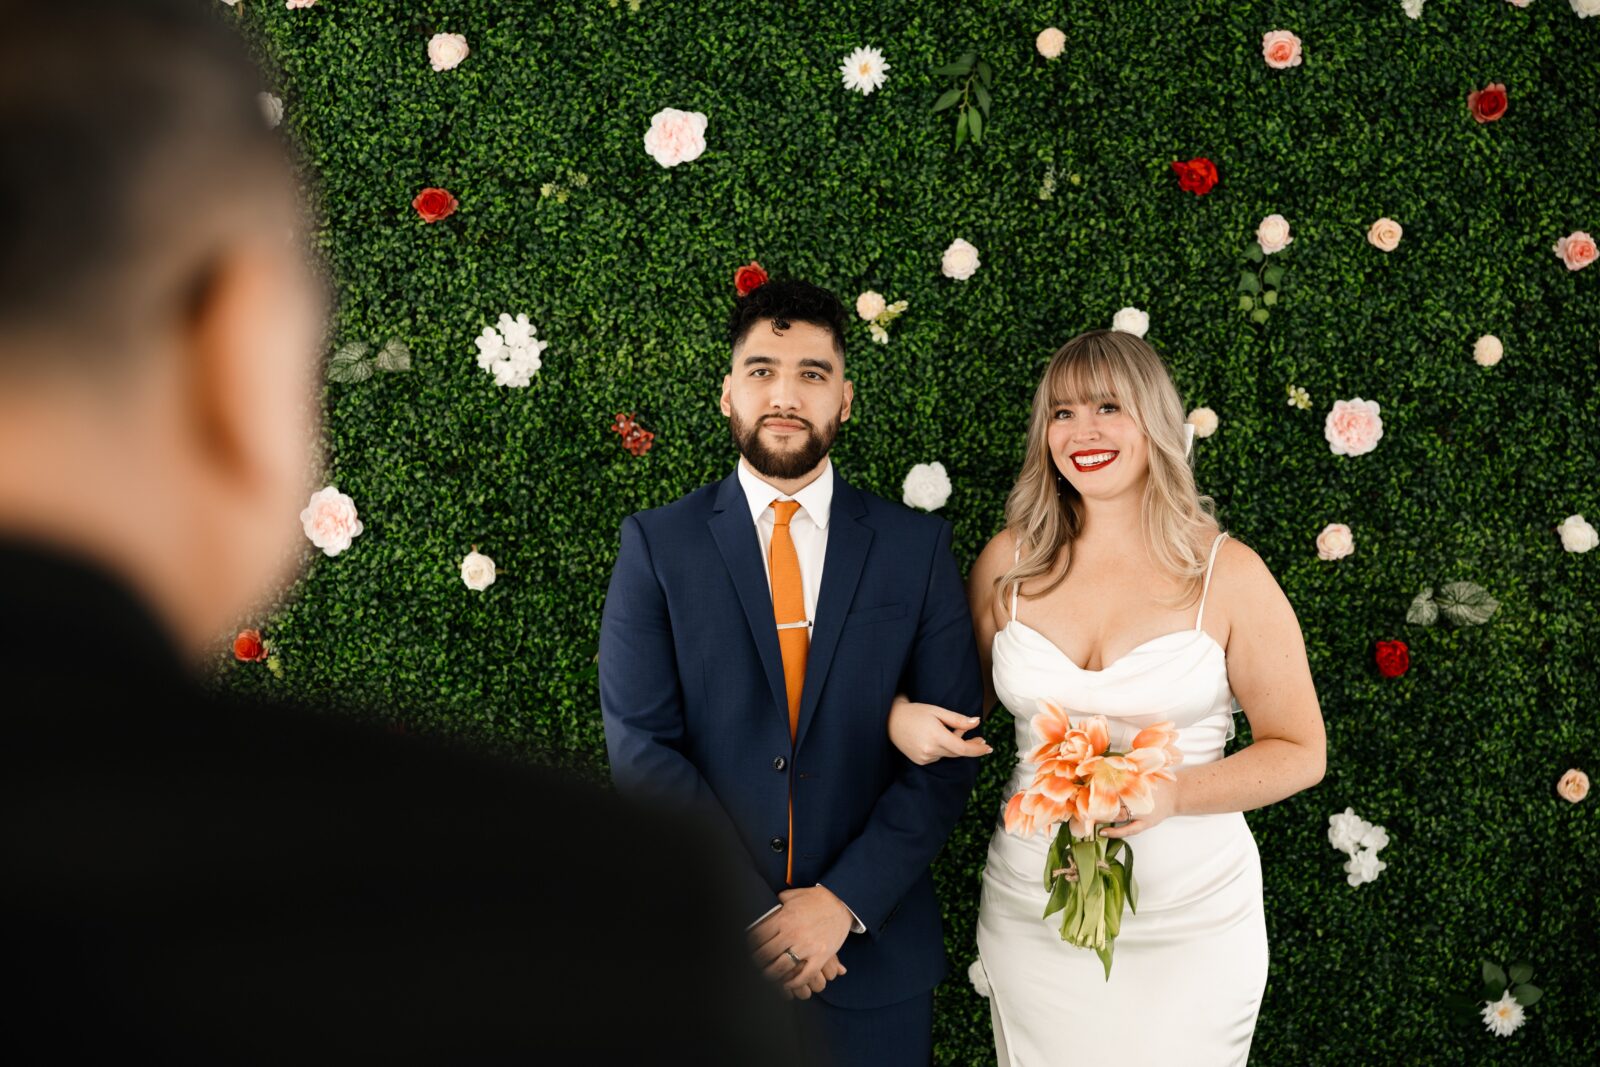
(1503, 1016)
(864, 70)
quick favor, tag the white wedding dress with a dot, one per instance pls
(1189, 969)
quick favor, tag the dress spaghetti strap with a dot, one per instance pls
(1207, 587)
(1017, 558)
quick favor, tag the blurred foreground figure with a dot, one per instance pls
(187, 879)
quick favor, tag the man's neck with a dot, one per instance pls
(789, 486)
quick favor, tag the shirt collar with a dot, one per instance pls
(816, 499)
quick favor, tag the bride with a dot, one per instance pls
(1113, 592)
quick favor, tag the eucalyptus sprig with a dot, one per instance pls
(975, 77)
(1259, 284)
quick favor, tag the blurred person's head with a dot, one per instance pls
(160, 316)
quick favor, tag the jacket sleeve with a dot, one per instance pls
(641, 704)
(913, 818)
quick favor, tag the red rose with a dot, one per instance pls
(248, 647)
(1489, 103)
(749, 278)
(1394, 659)
(434, 204)
(1198, 176)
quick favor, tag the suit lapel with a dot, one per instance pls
(740, 546)
(848, 539)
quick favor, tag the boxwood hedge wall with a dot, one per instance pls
(625, 267)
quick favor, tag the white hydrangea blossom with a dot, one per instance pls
(511, 353)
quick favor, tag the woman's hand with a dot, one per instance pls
(1166, 797)
(927, 732)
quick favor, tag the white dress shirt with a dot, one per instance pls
(808, 529)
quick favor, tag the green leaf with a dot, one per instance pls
(394, 356)
(1494, 976)
(947, 99)
(1466, 603)
(961, 129)
(959, 68)
(349, 364)
(1058, 897)
(1527, 995)
(1128, 882)
(1254, 253)
(1052, 860)
(985, 74)
(1248, 282)
(1272, 275)
(1086, 855)
(983, 98)
(975, 124)
(1259, 315)
(1423, 611)
(1116, 896)
(1247, 302)
(1105, 957)
(1270, 297)
(1519, 973)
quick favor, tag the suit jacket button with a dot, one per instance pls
(778, 844)
(779, 763)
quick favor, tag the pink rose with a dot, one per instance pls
(1273, 234)
(1335, 541)
(1574, 785)
(1280, 49)
(1385, 234)
(675, 136)
(1353, 427)
(1576, 250)
(330, 520)
(447, 50)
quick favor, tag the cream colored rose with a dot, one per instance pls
(330, 520)
(1586, 8)
(1273, 234)
(1353, 427)
(870, 304)
(1280, 49)
(447, 50)
(1385, 234)
(1577, 249)
(1574, 785)
(1204, 421)
(1050, 42)
(960, 261)
(477, 570)
(1132, 320)
(1577, 535)
(927, 487)
(271, 109)
(1488, 350)
(675, 136)
(1335, 541)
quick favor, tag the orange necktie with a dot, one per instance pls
(794, 638)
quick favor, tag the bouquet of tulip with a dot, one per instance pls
(1081, 786)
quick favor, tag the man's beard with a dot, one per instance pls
(787, 463)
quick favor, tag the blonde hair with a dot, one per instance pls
(1045, 514)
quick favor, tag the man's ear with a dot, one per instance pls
(849, 398)
(212, 335)
(726, 403)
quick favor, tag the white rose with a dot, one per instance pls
(870, 304)
(1273, 234)
(1335, 541)
(1131, 320)
(1346, 829)
(1576, 534)
(1204, 421)
(675, 136)
(330, 520)
(1488, 350)
(477, 570)
(960, 260)
(271, 109)
(1585, 8)
(979, 979)
(447, 50)
(1364, 866)
(1050, 42)
(927, 487)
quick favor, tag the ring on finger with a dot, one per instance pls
(790, 953)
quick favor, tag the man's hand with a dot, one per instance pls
(810, 926)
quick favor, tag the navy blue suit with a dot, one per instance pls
(691, 688)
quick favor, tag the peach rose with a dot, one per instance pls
(330, 520)
(1385, 234)
(1050, 42)
(447, 50)
(675, 136)
(1335, 541)
(1488, 350)
(1273, 234)
(1353, 427)
(1574, 785)
(960, 261)
(1280, 49)
(1576, 250)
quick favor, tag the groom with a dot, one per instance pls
(754, 636)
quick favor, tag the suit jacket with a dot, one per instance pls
(692, 693)
(193, 879)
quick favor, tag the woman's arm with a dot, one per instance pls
(1269, 674)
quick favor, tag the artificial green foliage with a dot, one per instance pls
(1075, 213)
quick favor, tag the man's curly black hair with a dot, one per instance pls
(785, 302)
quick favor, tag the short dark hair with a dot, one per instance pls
(785, 302)
(126, 127)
